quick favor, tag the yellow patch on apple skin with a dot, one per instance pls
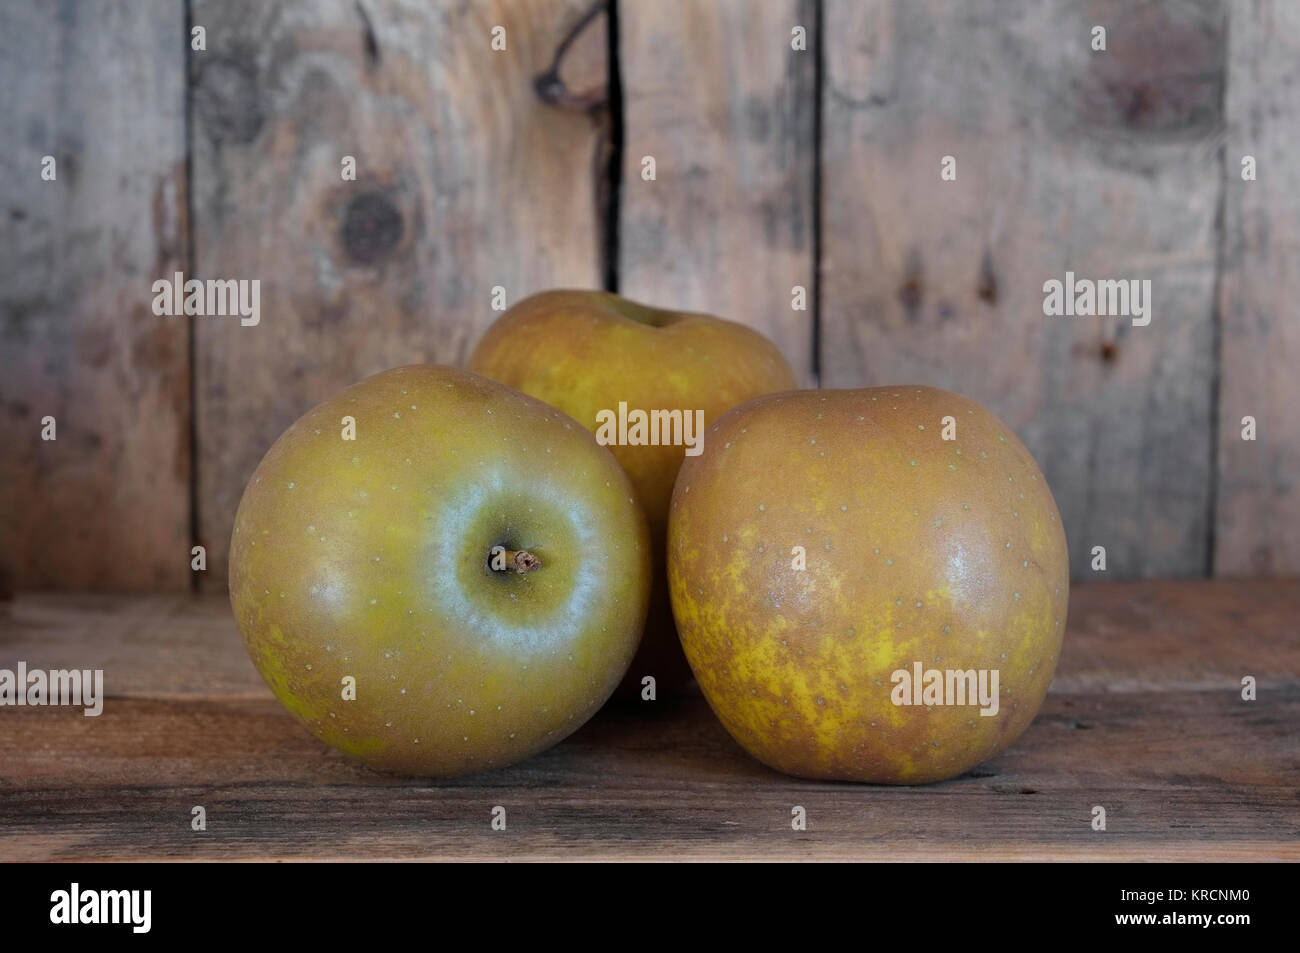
(284, 672)
(356, 746)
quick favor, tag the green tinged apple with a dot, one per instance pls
(460, 586)
(586, 352)
(831, 549)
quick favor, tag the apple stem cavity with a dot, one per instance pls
(521, 561)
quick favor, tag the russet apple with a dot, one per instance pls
(587, 352)
(870, 585)
(459, 586)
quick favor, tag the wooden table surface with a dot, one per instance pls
(1145, 718)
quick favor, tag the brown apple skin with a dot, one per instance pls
(369, 558)
(583, 352)
(946, 552)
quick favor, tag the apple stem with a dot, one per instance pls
(522, 560)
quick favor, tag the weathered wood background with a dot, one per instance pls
(775, 168)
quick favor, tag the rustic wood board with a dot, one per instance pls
(1258, 506)
(1106, 164)
(467, 179)
(714, 92)
(1144, 718)
(100, 87)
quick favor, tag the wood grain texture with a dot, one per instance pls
(1101, 163)
(1257, 518)
(100, 87)
(1145, 718)
(472, 173)
(713, 90)
(466, 179)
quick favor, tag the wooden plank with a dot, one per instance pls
(1105, 164)
(154, 646)
(100, 87)
(713, 91)
(1144, 718)
(1257, 529)
(1182, 775)
(466, 179)
(1172, 769)
(1181, 635)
